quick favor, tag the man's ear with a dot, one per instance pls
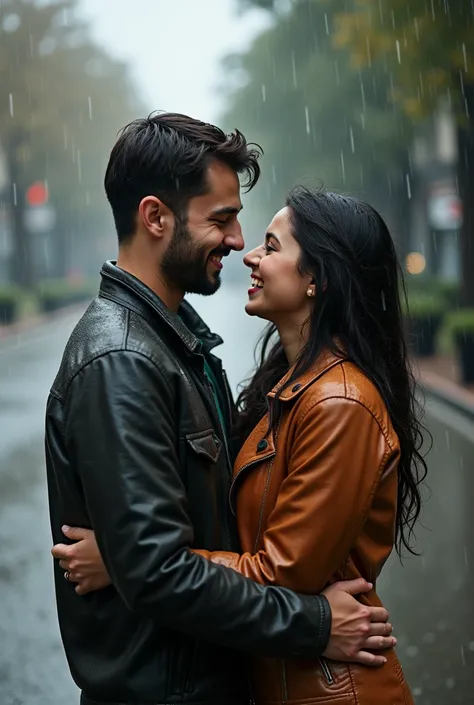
(156, 217)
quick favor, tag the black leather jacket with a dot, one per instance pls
(135, 449)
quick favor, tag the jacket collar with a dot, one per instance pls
(126, 289)
(325, 362)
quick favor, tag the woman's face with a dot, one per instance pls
(279, 292)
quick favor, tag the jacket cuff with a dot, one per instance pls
(325, 622)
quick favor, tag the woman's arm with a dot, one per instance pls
(337, 458)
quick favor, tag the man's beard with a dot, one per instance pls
(185, 264)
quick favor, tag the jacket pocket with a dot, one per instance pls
(206, 444)
(327, 672)
(181, 664)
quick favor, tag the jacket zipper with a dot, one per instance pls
(326, 671)
(284, 684)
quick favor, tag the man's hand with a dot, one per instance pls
(82, 561)
(355, 627)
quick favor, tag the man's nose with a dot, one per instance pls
(234, 238)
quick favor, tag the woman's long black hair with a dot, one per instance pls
(348, 251)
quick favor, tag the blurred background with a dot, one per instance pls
(372, 97)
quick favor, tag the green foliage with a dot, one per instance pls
(461, 322)
(449, 291)
(10, 293)
(429, 46)
(425, 305)
(62, 100)
(317, 120)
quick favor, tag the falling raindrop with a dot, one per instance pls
(463, 656)
(408, 186)
(15, 197)
(433, 10)
(362, 92)
(79, 167)
(308, 126)
(447, 438)
(10, 99)
(326, 21)
(351, 134)
(399, 58)
(264, 93)
(381, 11)
(90, 107)
(464, 53)
(293, 66)
(417, 29)
(343, 168)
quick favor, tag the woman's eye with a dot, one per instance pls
(269, 248)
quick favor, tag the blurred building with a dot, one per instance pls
(436, 214)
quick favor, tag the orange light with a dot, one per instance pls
(415, 263)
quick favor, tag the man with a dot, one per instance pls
(137, 428)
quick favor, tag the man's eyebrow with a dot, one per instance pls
(273, 236)
(226, 210)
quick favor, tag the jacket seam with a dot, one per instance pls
(383, 461)
(190, 345)
(108, 351)
(312, 404)
(126, 331)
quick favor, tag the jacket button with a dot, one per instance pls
(296, 387)
(262, 445)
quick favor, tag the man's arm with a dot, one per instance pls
(120, 431)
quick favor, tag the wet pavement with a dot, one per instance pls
(430, 598)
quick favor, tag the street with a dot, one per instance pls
(430, 598)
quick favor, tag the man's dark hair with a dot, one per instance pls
(167, 155)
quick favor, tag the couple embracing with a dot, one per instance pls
(209, 553)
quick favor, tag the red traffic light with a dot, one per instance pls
(37, 194)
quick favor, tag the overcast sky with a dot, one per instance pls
(174, 46)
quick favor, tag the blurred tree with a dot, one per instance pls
(56, 122)
(429, 47)
(298, 96)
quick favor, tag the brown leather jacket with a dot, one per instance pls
(316, 503)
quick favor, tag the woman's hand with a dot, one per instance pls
(82, 561)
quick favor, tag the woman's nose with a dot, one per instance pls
(252, 258)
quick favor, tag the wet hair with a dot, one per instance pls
(348, 251)
(167, 155)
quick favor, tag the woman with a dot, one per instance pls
(326, 481)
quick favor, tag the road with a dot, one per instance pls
(430, 598)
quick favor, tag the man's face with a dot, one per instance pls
(192, 261)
